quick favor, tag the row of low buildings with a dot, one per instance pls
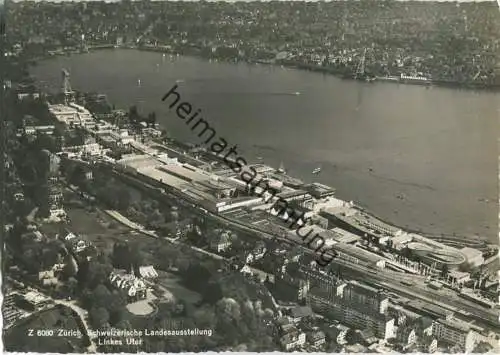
(32, 301)
(225, 194)
(354, 304)
(415, 325)
(201, 187)
(72, 115)
(430, 252)
(292, 337)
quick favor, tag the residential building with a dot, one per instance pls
(290, 336)
(300, 313)
(316, 338)
(134, 287)
(58, 267)
(458, 277)
(290, 288)
(284, 325)
(407, 336)
(148, 272)
(365, 337)
(356, 305)
(425, 326)
(178, 229)
(322, 281)
(79, 245)
(455, 332)
(221, 240)
(24, 96)
(287, 328)
(338, 332)
(50, 281)
(47, 274)
(428, 344)
(293, 340)
(49, 129)
(352, 315)
(257, 253)
(70, 236)
(31, 301)
(372, 298)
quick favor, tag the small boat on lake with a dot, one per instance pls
(281, 169)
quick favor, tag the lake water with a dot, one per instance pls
(419, 158)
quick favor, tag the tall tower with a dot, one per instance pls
(83, 44)
(2, 19)
(52, 197)
(360, 70)
(66, 87)
(3, 121)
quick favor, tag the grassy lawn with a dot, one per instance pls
(83, 221)
(173, 284)
(17, 338)
(95, 227)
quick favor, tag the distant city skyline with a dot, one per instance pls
(498, 1)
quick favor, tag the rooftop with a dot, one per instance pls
(359, 253)
(402, 239)
(291, 193)
(458, 274)
(215, 184)
(163, 177)
(340, 211)
(34, 297)
(261, 168)
(320, 189)
(186, 172)
(431, 309)
(299, 312)
(58, 108)
(374, 223)
(455, 324)
(341, 236)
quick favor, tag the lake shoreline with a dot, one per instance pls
(420, 208)
(337, 72)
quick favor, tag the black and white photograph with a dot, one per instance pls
(250, 176)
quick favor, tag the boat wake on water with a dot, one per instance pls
(265, 147)
(296, 93)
